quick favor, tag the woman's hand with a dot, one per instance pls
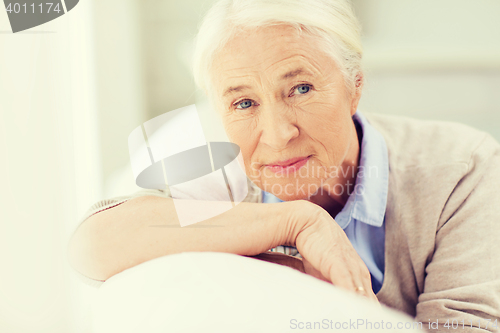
(326, 251)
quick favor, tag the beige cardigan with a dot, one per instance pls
(442, 247)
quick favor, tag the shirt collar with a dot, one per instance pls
(367, 203)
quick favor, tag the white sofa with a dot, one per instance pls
(221, 292)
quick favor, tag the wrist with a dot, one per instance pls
(298, 217)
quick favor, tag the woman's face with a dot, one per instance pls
(284, 102)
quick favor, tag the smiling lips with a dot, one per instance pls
(288, 166)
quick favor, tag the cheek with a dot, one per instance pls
(321, 119)
(327, 123)
(242, 133)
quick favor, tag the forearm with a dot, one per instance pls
(146, 228)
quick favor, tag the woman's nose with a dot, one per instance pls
(278, 126)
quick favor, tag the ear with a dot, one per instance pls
(356, 95)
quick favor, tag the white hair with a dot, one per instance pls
(333, 21)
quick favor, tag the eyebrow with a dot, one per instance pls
(295, 72)
(291, 74)
(235, 89)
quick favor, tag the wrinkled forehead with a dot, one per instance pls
(266, 53)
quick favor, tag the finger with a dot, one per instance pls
(362, 288)
(355, 278)
(370, 296)
(365, 286)
(360, 276)
(341, 275)
(346, 279)
(310, 270)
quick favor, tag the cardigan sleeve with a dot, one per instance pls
(109, 203)
(254, 195)
(113, 202)
(462, 280)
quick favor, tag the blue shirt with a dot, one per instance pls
(362, 217)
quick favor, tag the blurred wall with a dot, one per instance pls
(120, 77)
(50, 171)
(168, 29)
(433, 60)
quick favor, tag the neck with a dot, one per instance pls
(330, 197)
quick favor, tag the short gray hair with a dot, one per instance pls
(333, 21)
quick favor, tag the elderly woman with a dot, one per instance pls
(399, 210)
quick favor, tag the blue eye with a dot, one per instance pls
(303, 89)
(244, 104)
